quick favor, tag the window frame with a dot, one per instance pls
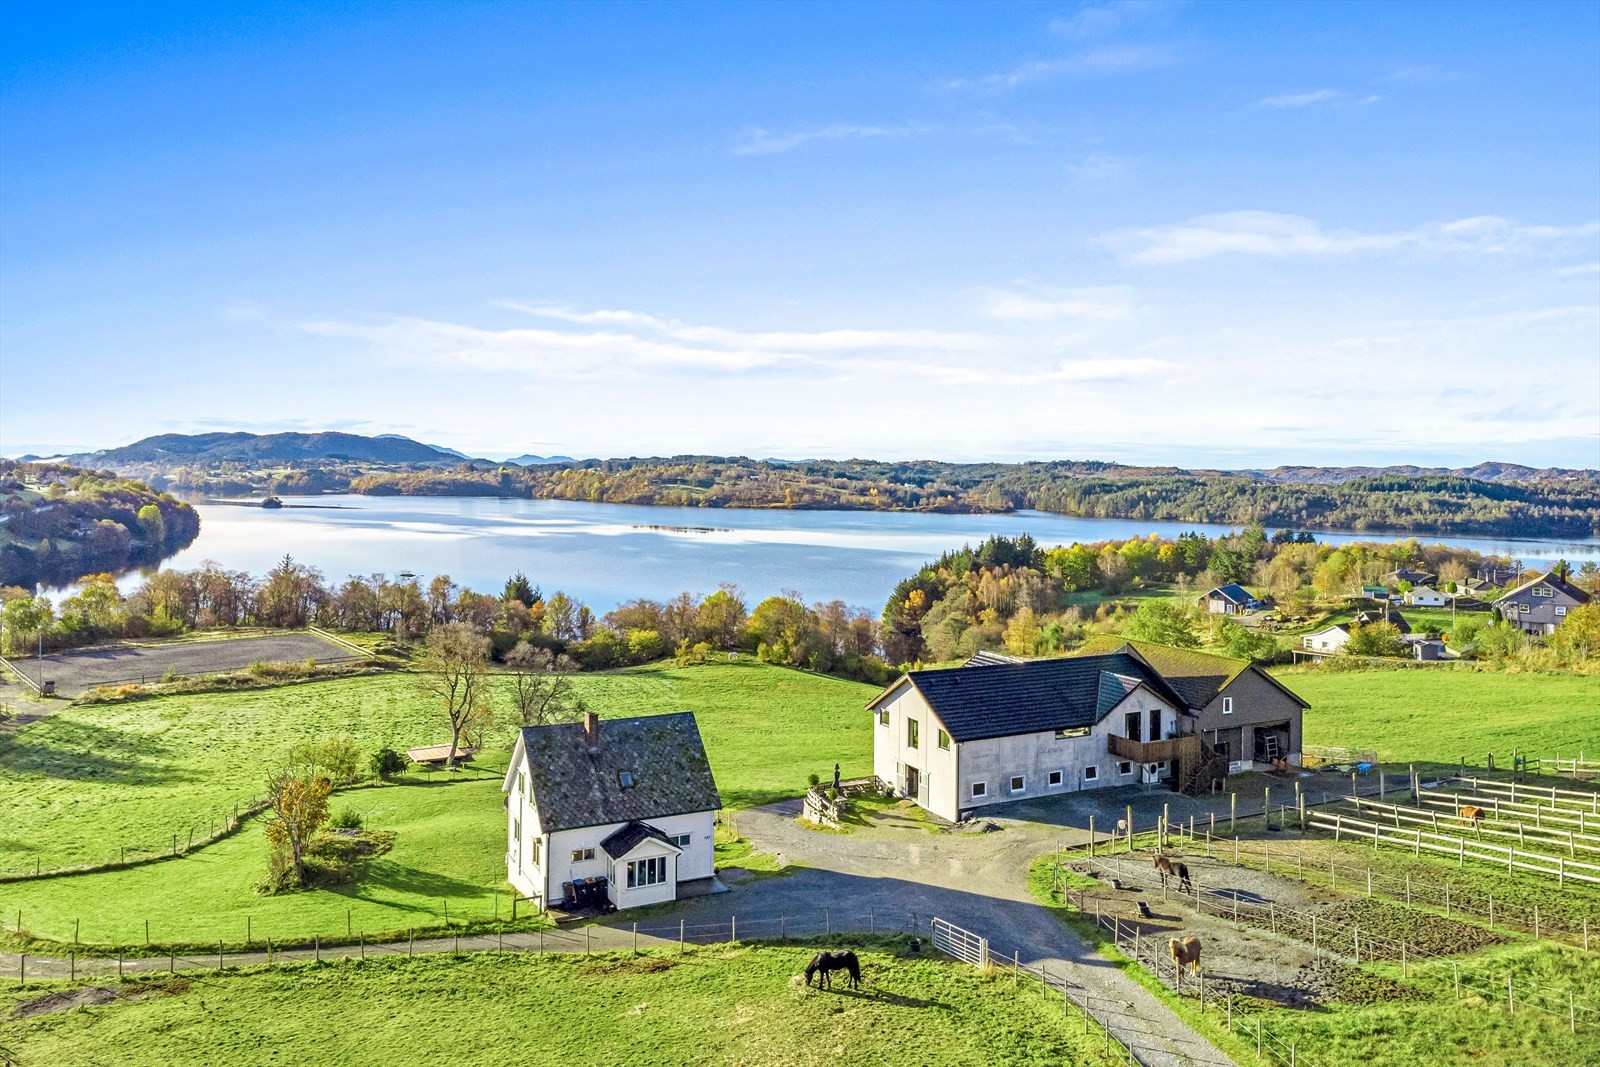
(913, 733)
(1227, 705)
(682, 840)
(1124, 767)
(644, 873)
(583, 855)
(883, 716)
(980, 790)
(1055, 778)
(1019, 783)
(943, 740)
(1091, 773)
(1561, 610)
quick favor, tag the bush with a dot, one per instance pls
(337, 756)
(386, 763)
(815, 779)
(346, 819)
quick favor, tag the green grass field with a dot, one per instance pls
(89, 780)
(716, 1005)
(448, 854)
(1443, 715)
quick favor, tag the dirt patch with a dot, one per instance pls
(1423, 933)
(641, 965)
(1339, 981)
(89, 996)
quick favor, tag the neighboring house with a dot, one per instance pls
(1393, 618)
(1330, 639)
(1375, 592)
(623, 809)
(1395, 577)
(1233, 704)
(1229, 600)
(954, 740)
(1424, 597)
(1539, 606)
(1428, 650)
(1494, 572)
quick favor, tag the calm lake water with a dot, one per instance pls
(606, 553)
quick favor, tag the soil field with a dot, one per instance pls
(83, 669)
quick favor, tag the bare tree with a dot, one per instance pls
(542, 686)
(455, 674)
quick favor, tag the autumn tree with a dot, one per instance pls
(298, 799)
(1578, 636)
(1375, 639)
(454, 673)
(1163, 622)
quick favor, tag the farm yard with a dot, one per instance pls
(716, 1005)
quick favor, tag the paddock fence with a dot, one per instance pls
(1570, 841)
(1418, 841)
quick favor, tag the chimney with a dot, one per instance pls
(591, 731)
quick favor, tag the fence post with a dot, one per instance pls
(635, 939)
(1369, 881)
(1233, 809)
(1455, 971)
(1536, 920)
(680, 934)
(1511, 996)
(1091, 837)
(316, 946)
(219, 953)
(586, 940)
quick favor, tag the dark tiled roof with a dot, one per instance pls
(1549, 578)
(1003, 699)
(625, 840)
(1367, 618)
(1197, 676)
(1236, 593)
(574, 787)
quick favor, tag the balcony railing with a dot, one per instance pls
(1185, 748)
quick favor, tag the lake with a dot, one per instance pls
(606, 553)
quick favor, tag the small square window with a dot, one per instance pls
(1055, 778)
(944, 740)
(682, 840)
(1561, 611)
(1019, 784)
(883, 716)
(625, 779)
(1227, 705)
(1522, 609)
(980, 789)
(1125, 767)
(1091, 773)
(582, 855)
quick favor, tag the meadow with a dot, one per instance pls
(740, 1004)
(1442, 715)
(87, 781)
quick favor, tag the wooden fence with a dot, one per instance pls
(1573, 799)
(1570, 841)
(1419, 841)
(1504, 810)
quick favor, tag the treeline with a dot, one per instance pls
(828, 637)
(1009, 593)
(59, 522)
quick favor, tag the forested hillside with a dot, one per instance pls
(58, 523)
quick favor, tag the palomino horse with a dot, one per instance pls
(1185, 952)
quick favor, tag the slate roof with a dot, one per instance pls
(625, 840)
(1233, 592)
(1394, 618)
(1004, 699)
(1198, 677)
(1549, 578)
(573, 787)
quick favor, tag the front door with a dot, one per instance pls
(913, 781)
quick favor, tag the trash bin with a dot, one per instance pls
(48, 687)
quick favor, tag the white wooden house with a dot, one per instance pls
(1425, 597)
(621, 811)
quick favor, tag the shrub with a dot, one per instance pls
(337, 756)
(815, 779)
(346, 819)
(386, 763)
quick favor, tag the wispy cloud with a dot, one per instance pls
(1108, 370)
(1264, 233)
(1290, 101)
(1098, 170)
(1579, 270)
(762, 142)
(1105, 303)
(1103, 60)
(1092, 20)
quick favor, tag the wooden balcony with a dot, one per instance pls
(1181, 749)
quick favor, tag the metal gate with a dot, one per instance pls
(962, 944)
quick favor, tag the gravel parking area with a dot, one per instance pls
(83, 669)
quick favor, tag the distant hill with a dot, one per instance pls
(536, 461)
(1483, 472)
(173, 449)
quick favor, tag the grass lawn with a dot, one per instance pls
(448, 852)
(717, 1005)
(87, 781)
(1442, 715)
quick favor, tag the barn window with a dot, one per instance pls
(980, 789)
(1055, 778)
(1019, 784)
(1125, 767)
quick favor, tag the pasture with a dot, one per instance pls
(1442, 715)
(87, 781)
(77, 671)
(716, 1005)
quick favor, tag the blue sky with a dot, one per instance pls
(1203, 234)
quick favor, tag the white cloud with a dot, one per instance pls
(1106, 303)
(1104, 19)
(1579, 270)
(1098, 170)
(1316, 96)
(1103, 60)
(762, 142)
(1265, 233)
(1108, 370)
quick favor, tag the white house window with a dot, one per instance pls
(1125, 767)
(1055, 778)
(1227, 705)
(912, 727)
(1091, 773)
(1542, 590)
(944, 740)
(537, 845)
(1081, 731)
(522, 782)
(980, 789)
(1561, 611)
(1522, 609)
(582, 855)
(683, 840)
(883, 716)
(652, 871)
(1019, 783)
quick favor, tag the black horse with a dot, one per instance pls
(825, 962)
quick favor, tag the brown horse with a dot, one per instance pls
(1165, 866)
(823, 963)
(1472, 815)
(1185, 952)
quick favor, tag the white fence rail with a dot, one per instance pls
(1418, 841)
